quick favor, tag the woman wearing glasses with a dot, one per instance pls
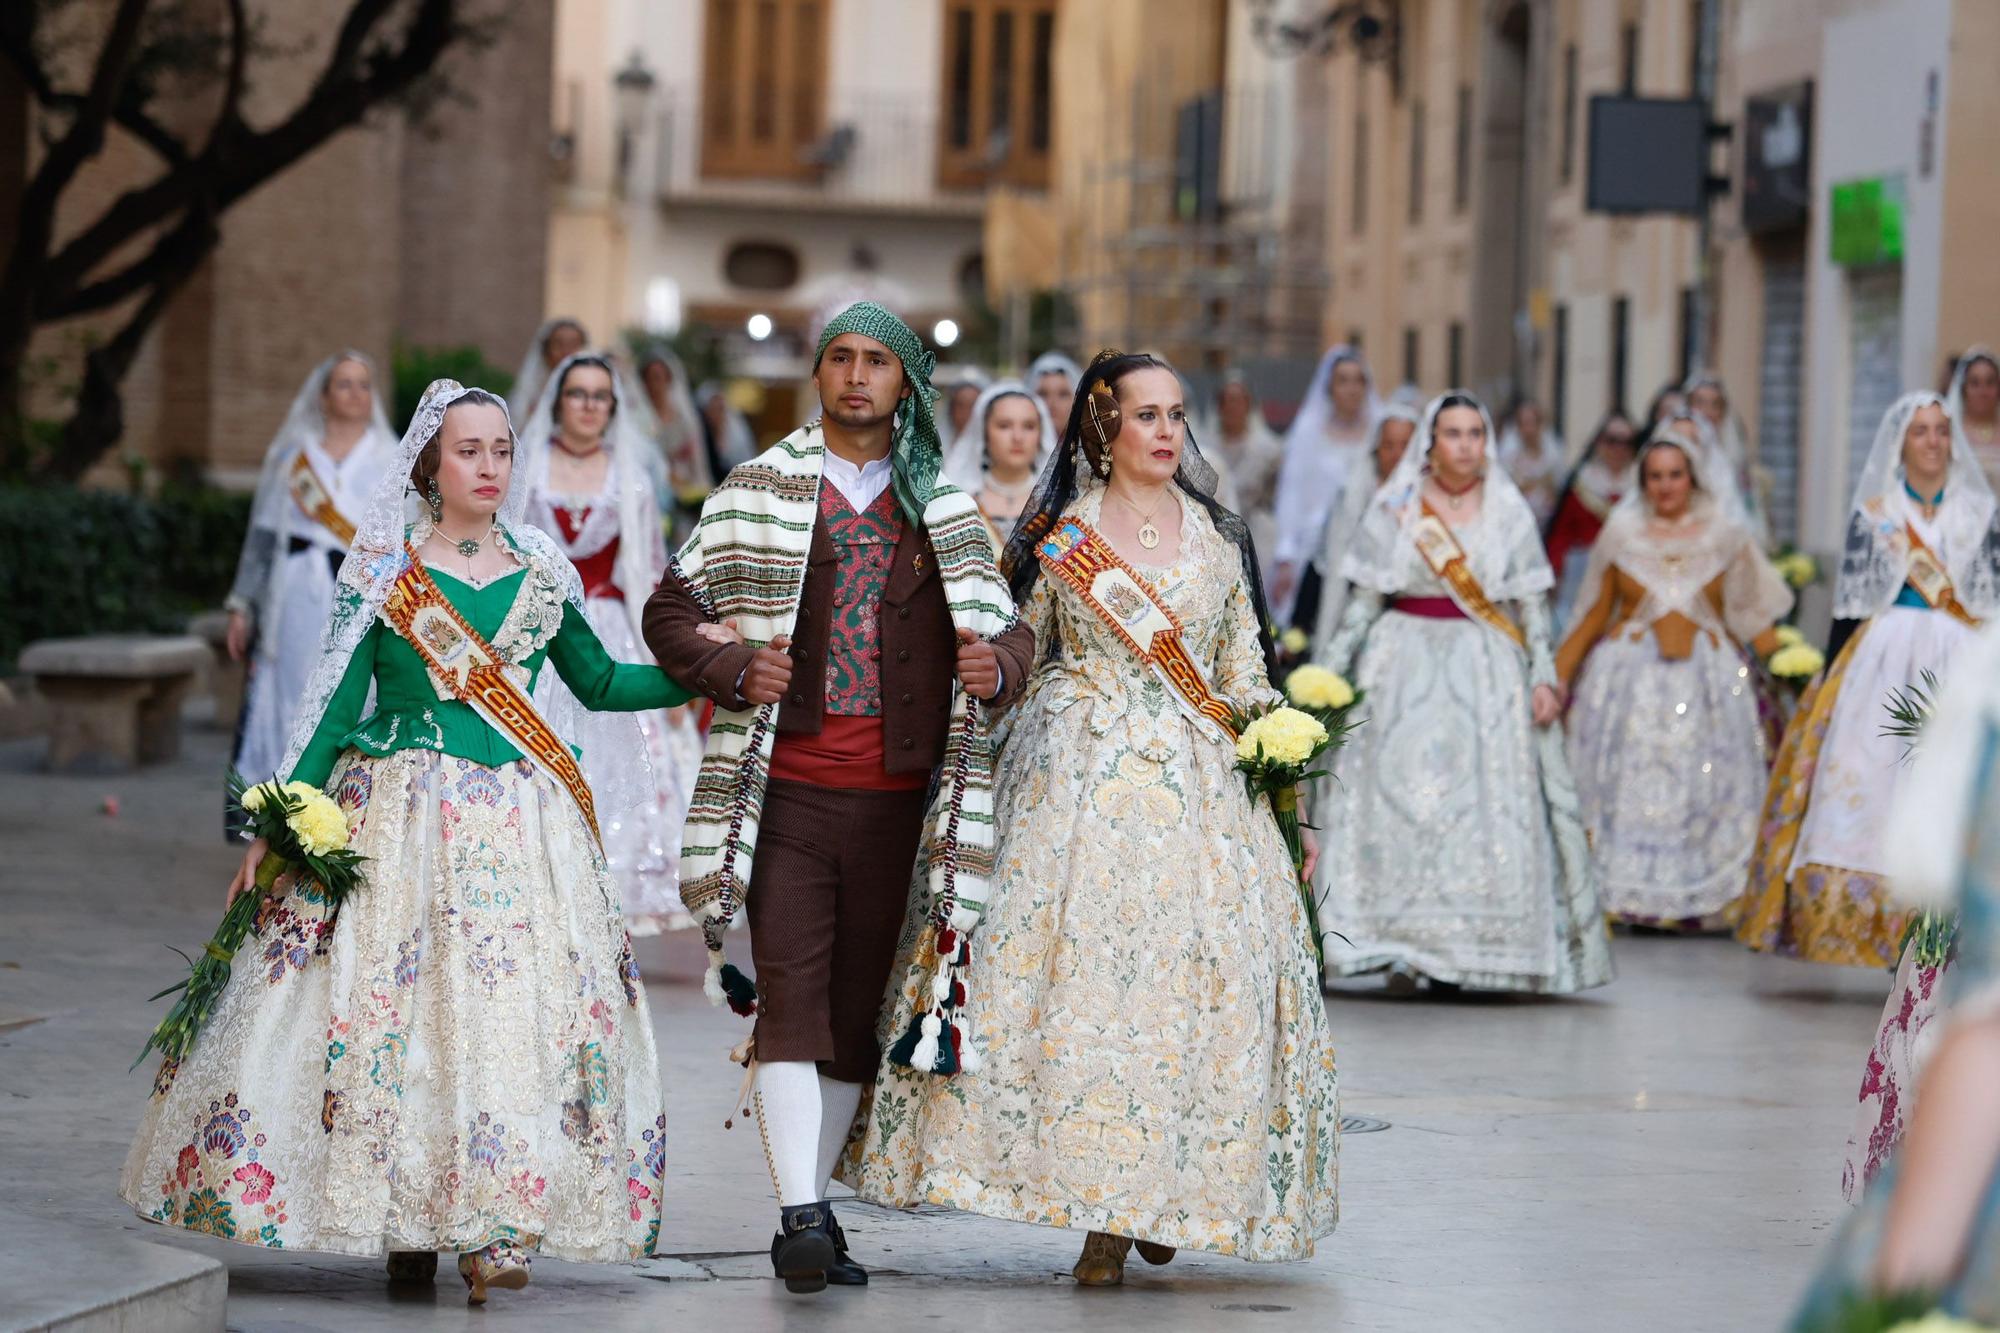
(590, 488)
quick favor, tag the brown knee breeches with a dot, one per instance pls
(826, 902)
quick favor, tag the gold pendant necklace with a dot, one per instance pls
(1149, 536)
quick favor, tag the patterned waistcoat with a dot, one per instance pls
(867, 545)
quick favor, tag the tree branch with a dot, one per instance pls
(170, 252)
(132, 117)
(99, 418)
(86, 132)
(240, 159)
(354, 31)
(232, 91)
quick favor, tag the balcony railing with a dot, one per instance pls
(859, 151)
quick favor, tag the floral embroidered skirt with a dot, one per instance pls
(1670, 766)
(1816, 889)
(1903, 1041)
(1454, 842)
(1145, 1002)
(461, 1056)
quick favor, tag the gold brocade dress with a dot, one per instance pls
(1143, 993)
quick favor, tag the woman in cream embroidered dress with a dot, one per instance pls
(1663, 731)
(1145, 1001)
(461, 1058)
(1816, 889)
(1457, 849)
(590, 489)
(284, 584)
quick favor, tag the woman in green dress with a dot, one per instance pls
(459, 1060)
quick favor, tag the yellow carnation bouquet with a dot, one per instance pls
(1276, 750)
(1796, 567)
(307, 833)
(1796, 663)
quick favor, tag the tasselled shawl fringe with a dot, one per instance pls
(747, 560)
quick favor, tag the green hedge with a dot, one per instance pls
(87, 562)
(415, 367)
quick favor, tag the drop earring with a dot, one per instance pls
(435, 498)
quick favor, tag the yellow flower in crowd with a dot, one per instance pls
(1797, 661)
(1797, 567)
(1789, 635)
(320, 825)
(1294, 640)
(1316, 687)
(1284, 735)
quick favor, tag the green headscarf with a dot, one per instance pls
(915, 453)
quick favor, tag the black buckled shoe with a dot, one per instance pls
(843, 1271)
(802, 1251)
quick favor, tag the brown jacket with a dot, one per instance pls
(919, 651)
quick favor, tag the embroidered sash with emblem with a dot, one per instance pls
(1106, 584)
(315, 501)
(1439, 547)
(465, 665)
(1932, 581)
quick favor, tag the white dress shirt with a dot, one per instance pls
(861, 483)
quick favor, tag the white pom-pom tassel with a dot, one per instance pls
(968, 1054)
(924, 1057)
(941, 986)
(711, 982)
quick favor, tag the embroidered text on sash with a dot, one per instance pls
(1106, 584)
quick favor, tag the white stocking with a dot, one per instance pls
(788, 1111)
(838, 1102)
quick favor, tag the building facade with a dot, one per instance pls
(1462, 250)
(782, 158)
(1855, 252)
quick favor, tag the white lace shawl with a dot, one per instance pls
(965, 457)
(395, 515)
(632, 515)
(258, 587)
(1503, 550)
(1875, 561)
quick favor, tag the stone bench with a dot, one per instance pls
(114, 699)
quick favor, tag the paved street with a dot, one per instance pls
(1661, 1154)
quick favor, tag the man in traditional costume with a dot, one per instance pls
(863, 585)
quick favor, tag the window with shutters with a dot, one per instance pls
(763, 88)
(996, 126)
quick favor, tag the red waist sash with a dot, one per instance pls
(1431, 608)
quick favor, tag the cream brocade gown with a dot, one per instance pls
(1454, 843)
(1156, 1059)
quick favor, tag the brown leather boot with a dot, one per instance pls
(1103, 1261)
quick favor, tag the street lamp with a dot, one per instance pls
(632, 87)
(945, 332)
(758, 326)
